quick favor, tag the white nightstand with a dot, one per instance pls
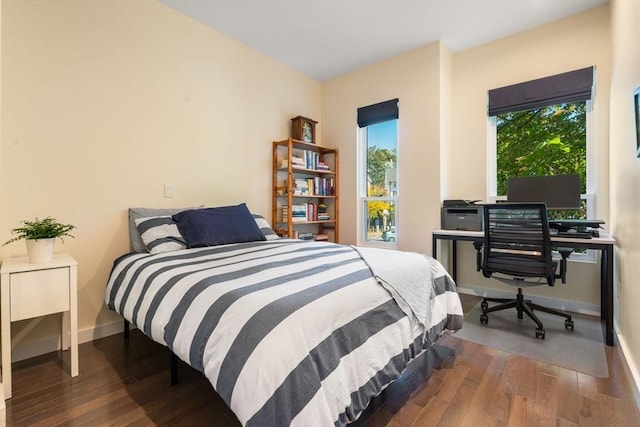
(33, 290)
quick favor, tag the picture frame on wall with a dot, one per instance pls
(636, 103)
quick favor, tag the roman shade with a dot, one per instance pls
(378, 113)
(572, 86)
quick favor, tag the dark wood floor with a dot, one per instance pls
(127, 383)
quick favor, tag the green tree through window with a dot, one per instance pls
(380, 184)
(378, 160)
(543, 141)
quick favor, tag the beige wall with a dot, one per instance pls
(108, 101)
(572, 43)
(625, 176)
(414, 78)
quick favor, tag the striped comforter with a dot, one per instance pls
(288, 332)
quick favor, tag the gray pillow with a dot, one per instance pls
(135, 241)
(265, 227)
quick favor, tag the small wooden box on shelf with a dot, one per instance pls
(305, 190)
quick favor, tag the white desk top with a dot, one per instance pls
(604, 239)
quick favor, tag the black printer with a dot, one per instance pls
(461, 215)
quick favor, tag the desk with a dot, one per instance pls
(604, 244)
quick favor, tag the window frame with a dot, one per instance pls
(591, 170)
(363, 199)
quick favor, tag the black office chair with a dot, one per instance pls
(517, 251)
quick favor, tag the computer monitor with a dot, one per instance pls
(557, 191)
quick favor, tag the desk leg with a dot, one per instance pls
(434, 247)
(454, 257)
(606, 292)
(454, 261)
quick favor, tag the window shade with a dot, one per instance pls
(573, 86)
(377, 113)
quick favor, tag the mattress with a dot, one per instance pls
(288, 332)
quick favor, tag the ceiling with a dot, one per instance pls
(326, 38)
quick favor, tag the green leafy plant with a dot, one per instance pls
(41, 229)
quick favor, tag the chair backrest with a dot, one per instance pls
(517, 241)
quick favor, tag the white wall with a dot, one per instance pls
(105, 102)
(625, 176)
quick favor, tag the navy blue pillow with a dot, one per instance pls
(217, 226)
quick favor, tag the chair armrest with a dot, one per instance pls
(564, 253)
(478, 246)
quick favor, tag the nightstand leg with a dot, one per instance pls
(66, 331)
(3, 410)
(73, 319)
(6, 336)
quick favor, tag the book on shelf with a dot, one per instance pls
(301, 187)
(305, 159)
(322, 166)
(312, 211)
(323, 217)
(298, 213)
(305, 236)
(321, 238)
(316, 186)
(296, 162)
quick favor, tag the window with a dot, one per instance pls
(542, 127)
(550, 140)
(378, 171)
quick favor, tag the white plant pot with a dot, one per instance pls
(40, 250)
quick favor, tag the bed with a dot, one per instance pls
(288, 332)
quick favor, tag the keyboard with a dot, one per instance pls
(575, 228)
(570, 223)
(574, 234)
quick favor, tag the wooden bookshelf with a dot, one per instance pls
(305, 177)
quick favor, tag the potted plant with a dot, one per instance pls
(40, 236)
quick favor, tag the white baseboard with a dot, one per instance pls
(573, 306)
(630, 367)
(31, 349)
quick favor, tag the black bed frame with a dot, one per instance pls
(417, 373)
(174, 358)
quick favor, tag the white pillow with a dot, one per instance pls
(160, 234)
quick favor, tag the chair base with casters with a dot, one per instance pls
(522, 306)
